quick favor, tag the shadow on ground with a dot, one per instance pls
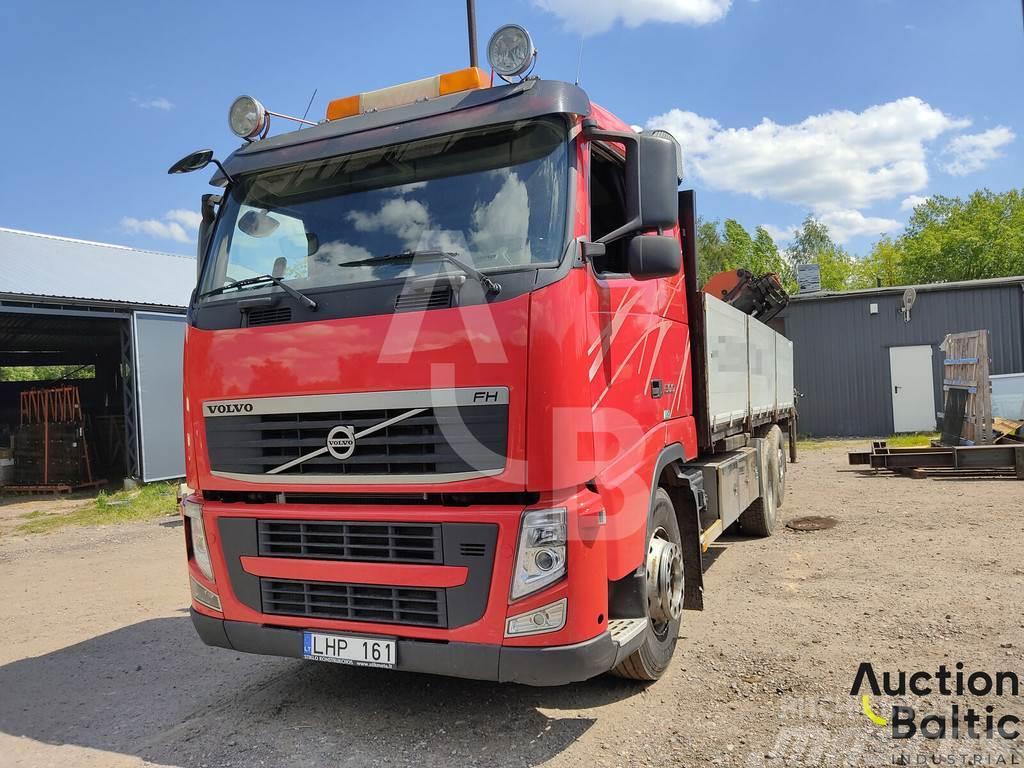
(153, 690)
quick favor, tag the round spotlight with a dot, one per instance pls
(510, 51)
(247, 117)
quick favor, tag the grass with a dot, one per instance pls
(144, 503)
(908, 440)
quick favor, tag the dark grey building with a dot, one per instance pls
(865, 367)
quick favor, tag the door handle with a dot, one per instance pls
(896, 390)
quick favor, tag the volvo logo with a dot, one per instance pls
(222, 408)
(341, 442)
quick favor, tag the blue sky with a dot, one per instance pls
(851, 109)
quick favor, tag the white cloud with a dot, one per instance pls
(188, 219)
(972, 152)
(843, 225)
(177, 225)
(159, 102)
(910, 202)
(594, 16)
(837, 161)
(780, 234)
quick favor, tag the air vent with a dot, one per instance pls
(472, 550)
(438, 297)
(270, 316)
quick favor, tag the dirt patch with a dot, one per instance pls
(99, 665)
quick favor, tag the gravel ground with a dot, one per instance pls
(99, 665)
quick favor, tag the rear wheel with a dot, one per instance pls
(760, 518)
(664, 595)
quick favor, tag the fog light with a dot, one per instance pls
(202, 595)
(550, 618)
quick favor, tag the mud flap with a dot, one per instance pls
(689, 499)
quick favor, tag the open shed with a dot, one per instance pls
(118, 313)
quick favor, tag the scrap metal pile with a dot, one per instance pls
(972, 442)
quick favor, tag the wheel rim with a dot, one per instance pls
(664, 581)
(782, 469)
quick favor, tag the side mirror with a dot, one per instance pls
(193, 162)
(653, 256)
(656, 191)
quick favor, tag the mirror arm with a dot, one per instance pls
(630, 139)
(223, 171)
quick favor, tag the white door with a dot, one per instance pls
(913, 390)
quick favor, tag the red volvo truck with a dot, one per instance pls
(454, 401)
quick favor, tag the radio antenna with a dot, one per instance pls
(310, 104)
(579, 59)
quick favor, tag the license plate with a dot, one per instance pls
(349, 649)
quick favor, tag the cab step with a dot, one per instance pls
(627, 634)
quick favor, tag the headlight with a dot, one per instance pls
(510, 50)
(540, 558)
(247, 117)
(200, 549)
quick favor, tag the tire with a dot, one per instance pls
(760, 518)
(651, 659)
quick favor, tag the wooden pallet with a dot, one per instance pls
(965, 368)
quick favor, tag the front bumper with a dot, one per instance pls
(542, 666)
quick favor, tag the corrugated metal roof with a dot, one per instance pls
(59, 267)
(962, 285)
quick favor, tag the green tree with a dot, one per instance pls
(812, 244)
(882, 267)
(767, 258)
(952, 239)
(739, 243)
(713, 253)
(810, 240)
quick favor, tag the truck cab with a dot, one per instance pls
(439, 389)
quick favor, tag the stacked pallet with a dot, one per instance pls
(51, 452)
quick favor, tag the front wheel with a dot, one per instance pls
(664, 595)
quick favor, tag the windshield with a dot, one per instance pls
(494, 197)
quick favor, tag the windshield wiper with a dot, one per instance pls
(300, 297)
(489, 285)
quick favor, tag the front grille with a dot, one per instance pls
(389, 542)
(436, 440)
(354, 602)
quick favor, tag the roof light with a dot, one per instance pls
(247, 118)
(467, 79)
(510, 51)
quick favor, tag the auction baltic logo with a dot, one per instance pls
(959, 721)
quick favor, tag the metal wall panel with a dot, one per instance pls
(841, 350)
(159, 341)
